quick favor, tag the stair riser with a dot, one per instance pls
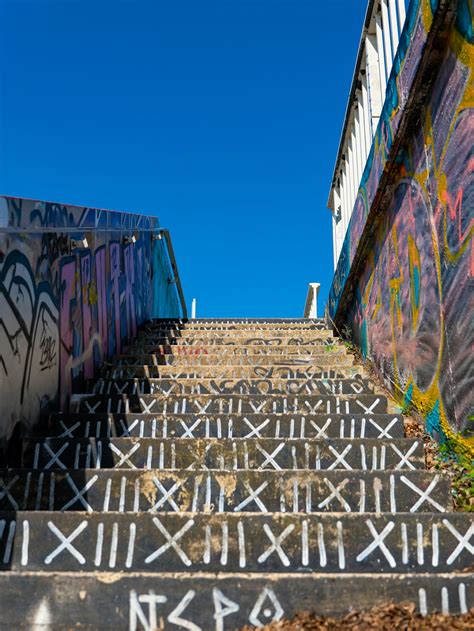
(236, 351)
(232, 372)
(253, 329)
(326, 359)
(241, 342)
(224, 454)
(263, 386)
(227, 602)
(195, 542)
(240, 337)
(156, 491)
(226, 426)
(230, 404)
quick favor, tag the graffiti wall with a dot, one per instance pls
(411, 302)
(75, 283)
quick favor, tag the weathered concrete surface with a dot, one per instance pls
(135, 490)
(225, 497)
(229, 386)
(229, 403)
(235, 340)
(272, 543)
(186, 426)
(319, 359)
(110, 600)
(232, 372)
(223, 453)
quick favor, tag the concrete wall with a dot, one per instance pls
(62, 310)
(403, 285)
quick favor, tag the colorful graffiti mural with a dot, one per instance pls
(70, 297)
(411, 311)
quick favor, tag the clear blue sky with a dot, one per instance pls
(222, 117)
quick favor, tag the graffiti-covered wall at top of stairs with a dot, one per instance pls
(75, 283)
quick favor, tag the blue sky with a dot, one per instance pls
(222, 117)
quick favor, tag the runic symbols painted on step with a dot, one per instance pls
(223, 473)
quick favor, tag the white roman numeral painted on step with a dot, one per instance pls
(335, 494)
(424, 495)
(378, 542)
(167, 496)
(124, 458)
(171, 542)
(404, 457)
(255, 431)
(340, 458)
(253, 497)
(79, 494)
(463, 541)
(276, 544)
(66, 543)
(270, 458)
(55, 456)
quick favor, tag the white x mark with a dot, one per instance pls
(335, 494)
(167, 496)
(321, 430)
(384, 430)
(371, 408)
(6, 491)
(66, 543)
(255, 430)
(313, 408)
(202, 408)
(424, 495)
(68, 430)
(126, 430)
(378, 542)
(188, 431)
(404, 457)
(55, 456)
(146, 409)
(276, 544)
(79, 495)
(257, 409)
(90, 409)
(463, 541)
(270, 458)
(124, 457)
(253, 496)
(171, 542)
(340, 457)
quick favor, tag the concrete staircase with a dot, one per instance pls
(222, 473)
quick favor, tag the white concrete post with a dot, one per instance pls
(358, 139)
(354, 167)
(367, 117)
(401, 14)
(311, 306)
(393, 25)
(374, 85)
(193, 309)
(351, 181)
(381, 57)
(386, 39)
(363, 150)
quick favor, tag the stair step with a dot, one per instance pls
(227, 386)
(226, 426)
(235, 351)
(201, 321)
(264, 342)
(237, 326)
(240, 336)
(144, 359)
(104, 490)
(231, 403)
(251, 542)
(231, 372)
(203, 602)
(222, 454)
